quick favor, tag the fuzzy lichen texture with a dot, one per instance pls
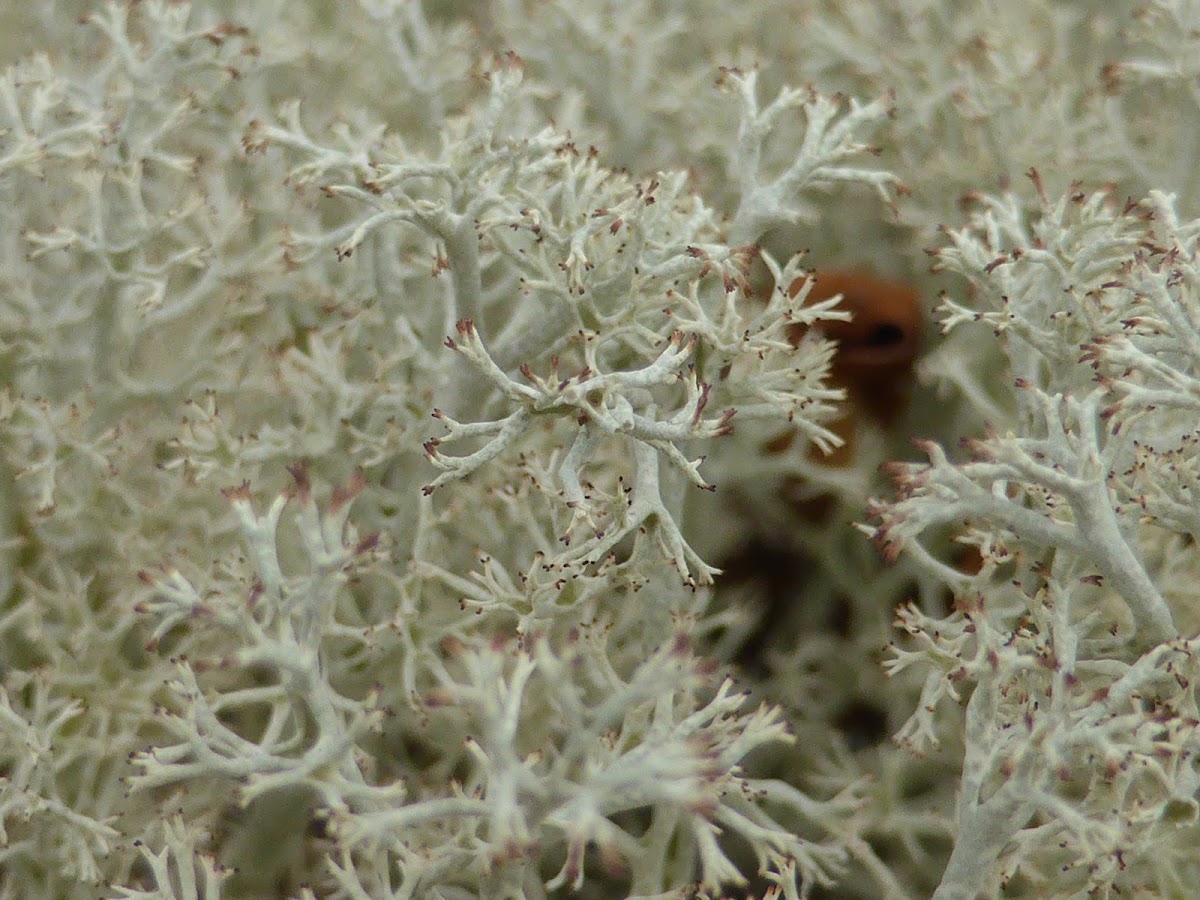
(1073, 644)
(542, 609)
(351, 427)
(387, 383)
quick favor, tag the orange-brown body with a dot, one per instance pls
(877, 347)
(874, 361)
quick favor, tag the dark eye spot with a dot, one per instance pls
(884, 335)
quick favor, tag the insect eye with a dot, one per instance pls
(878, 346)
(884, 335)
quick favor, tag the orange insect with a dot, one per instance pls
(877, 347)
(874, 360)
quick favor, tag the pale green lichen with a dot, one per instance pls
(367, 370)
